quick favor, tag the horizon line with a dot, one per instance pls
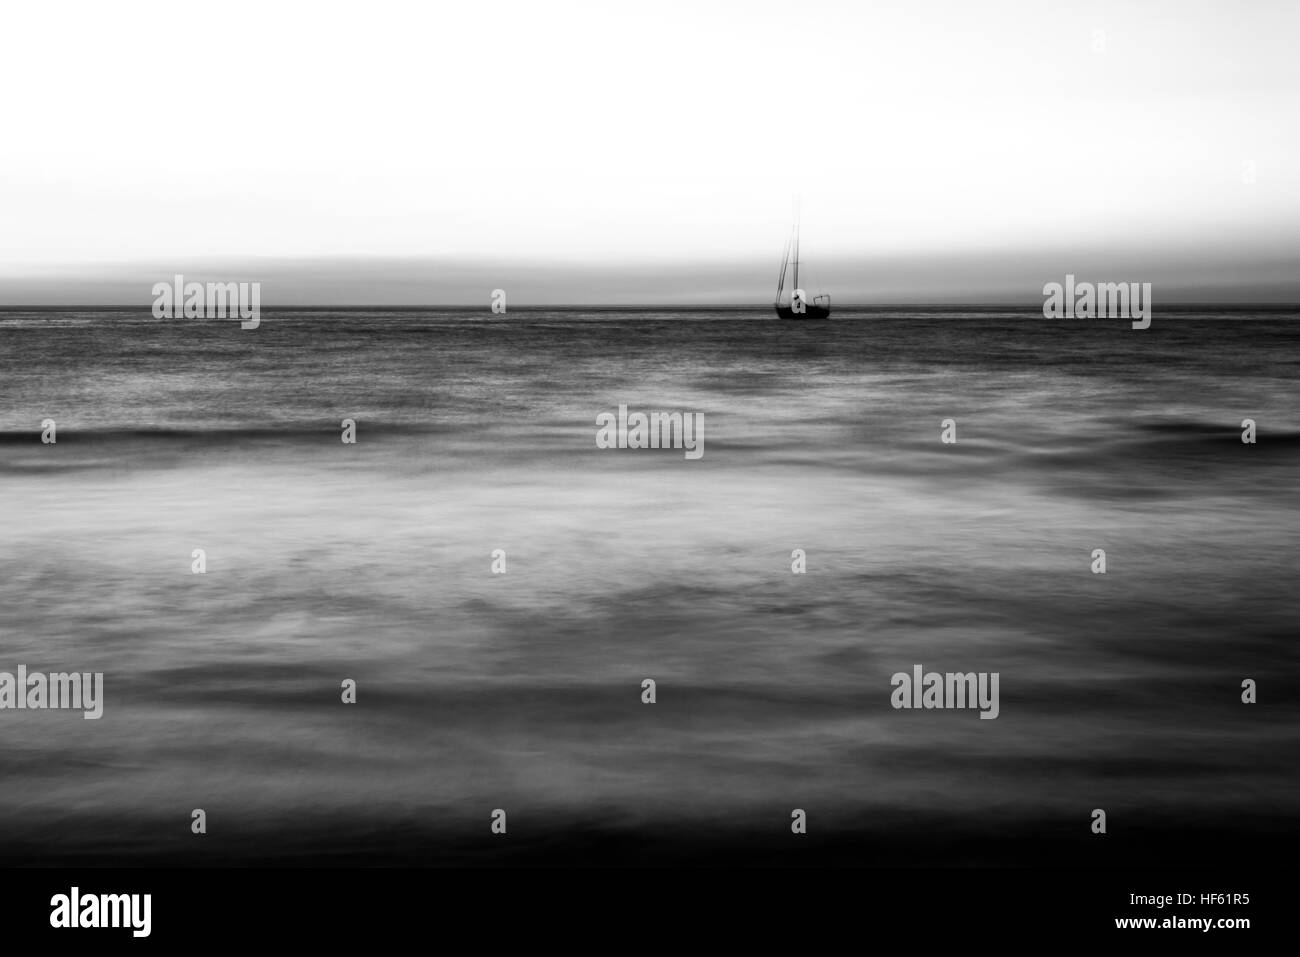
(1271, 306)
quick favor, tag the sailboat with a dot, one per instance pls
(797, 306)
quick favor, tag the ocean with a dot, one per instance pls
(479, 691)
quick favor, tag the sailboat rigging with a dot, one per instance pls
(797, 306)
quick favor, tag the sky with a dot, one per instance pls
(649, 151)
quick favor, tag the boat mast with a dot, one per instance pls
(796, 258)
(785, 261)
(798, 215)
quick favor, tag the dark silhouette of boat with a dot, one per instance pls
(797, 306)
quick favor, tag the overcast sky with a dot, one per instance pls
(940, 148)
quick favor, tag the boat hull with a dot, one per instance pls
(809, 312)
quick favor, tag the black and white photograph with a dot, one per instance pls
(777, 466)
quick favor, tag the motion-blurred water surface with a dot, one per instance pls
(522, 691)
